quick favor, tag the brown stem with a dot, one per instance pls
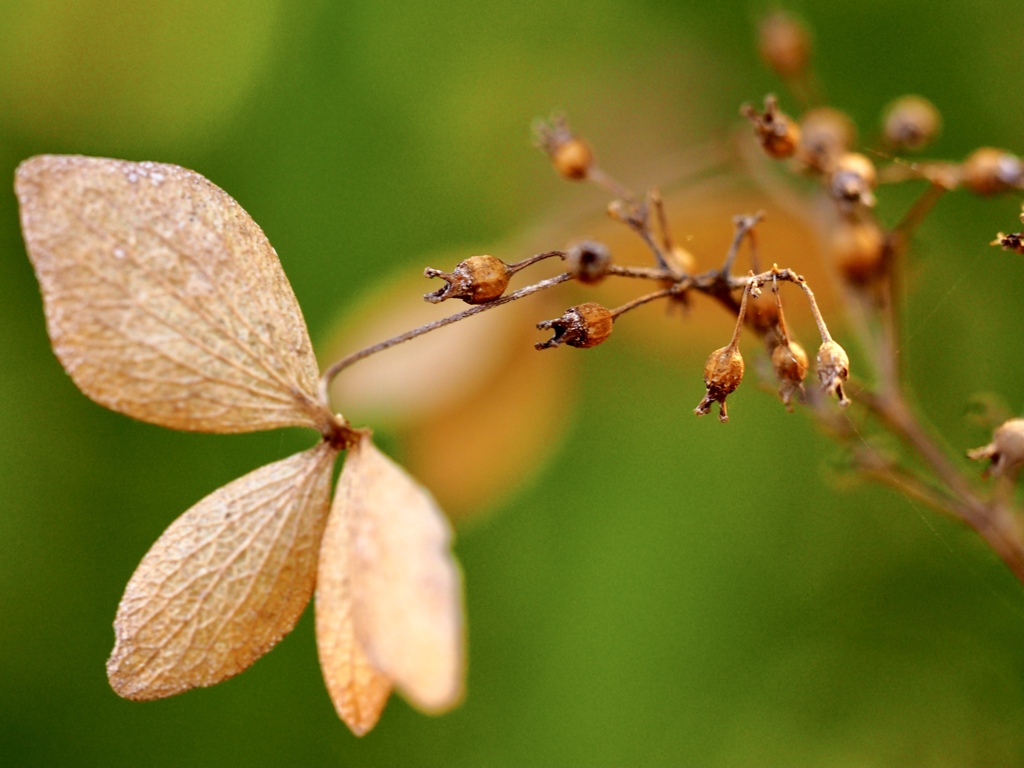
(335, 368)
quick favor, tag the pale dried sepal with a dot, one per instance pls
(225, 582)
(406, 586)
(163, 298)
(359, 691)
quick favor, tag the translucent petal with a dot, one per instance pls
(225, 582)
(406, 588)
(359, 691)
(163, 298)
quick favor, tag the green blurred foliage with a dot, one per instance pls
(671, 592)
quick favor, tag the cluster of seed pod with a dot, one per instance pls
(822, 143)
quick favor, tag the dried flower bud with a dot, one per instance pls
(723, 372)
(833, 370)
(789, 361)
(778, 133)
(784, 44)
(476, 280)
(989, 171)
(852, 180)
(910, 123)
(588, 261)
(825, 135)
(1006, 451)
(570, 155)
(859, 249)
(1011, 242)
(582, 326)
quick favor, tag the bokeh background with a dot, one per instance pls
(657, 590)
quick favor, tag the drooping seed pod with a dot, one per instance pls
(778, 133)
(784, 44)
(570, 155)
(588, 261)
(825, 135)
(989, 171)
(1006, 451)
(476, 280)
(583, 326)
(790, 363)
(852, 181)
(833, 370)
(910, 123)
(723, 373)
(858, 250)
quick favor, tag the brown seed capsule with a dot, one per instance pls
(778, 133)
(989, 171)
(476, 280)
(582, 326)
(910, 123)
(683, 260)
(1011, 242)
(789, 361)
(858, 249)
(784, 44)
(825, 135)
(588, 261)
(723, 373)
(1006, 451)
(570, 155)
(833, 370)
(852, 180)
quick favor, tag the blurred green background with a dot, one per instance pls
(668, 591)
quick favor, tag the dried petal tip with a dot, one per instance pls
(582, 326)
(1011, 242)
(476, 280)
(1006, 451)
(723, 372)
(777, 132)
(833, 370)
(790, 364)
(588, 261)
(570, 155)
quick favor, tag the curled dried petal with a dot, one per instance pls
(387, 562)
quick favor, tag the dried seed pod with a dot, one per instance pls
(723, 373)
(570, 155)
(778, 133)
(833, 370)
(582, 326)
(825, 135)
(910, 123)
(1006, 451)
(588, 261)
(1011, 242)
(852, 181)
(789, 361)
(476, 280)
(858, 249)
(989, 171)
(784, 44)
